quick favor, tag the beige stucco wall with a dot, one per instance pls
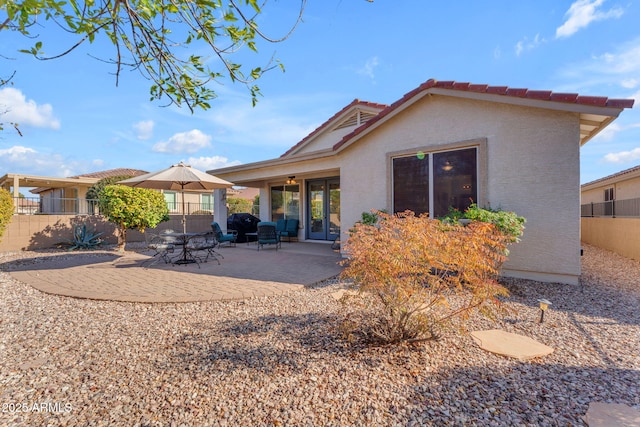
(325, 141)
(533, 169)
(620, 235)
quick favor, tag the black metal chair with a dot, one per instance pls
(268, 235)
(206, 244)
(161, 247)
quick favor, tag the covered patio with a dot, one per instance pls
(243, 273)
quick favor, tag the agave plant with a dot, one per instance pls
(84, 239)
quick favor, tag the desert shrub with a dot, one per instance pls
(6, 209)
(507, 222)
(413, 275)
(370, 218)
(84, 238)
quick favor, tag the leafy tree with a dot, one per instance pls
(415, 275)
(159, 38)
(6, 209)
(93, 193)
(238, 204)
(132, 208)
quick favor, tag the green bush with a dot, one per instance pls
(507, 222)
(132, 208)
(6, 209)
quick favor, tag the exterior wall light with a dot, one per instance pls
(291, 180)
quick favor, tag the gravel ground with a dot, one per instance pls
(279, 361)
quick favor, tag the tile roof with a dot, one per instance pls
(111, 173)
(95, 175)
(545, 95)
(353, 103)
(615, 175)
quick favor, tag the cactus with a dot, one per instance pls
(84, 239)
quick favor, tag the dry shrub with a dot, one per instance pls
(414, 275)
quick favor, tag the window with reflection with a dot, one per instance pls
(285, 202)
(435, 182)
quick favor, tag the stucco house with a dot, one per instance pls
(444, 144)
(611, 212)
(69, 195)
(601, 196)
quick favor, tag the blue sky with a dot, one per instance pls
(75, 120)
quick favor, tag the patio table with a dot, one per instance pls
(183, 239)
(251, 235)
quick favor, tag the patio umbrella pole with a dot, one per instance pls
(184, 218)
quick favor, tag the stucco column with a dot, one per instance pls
(16, 192)
(220, 208)
(265, 204)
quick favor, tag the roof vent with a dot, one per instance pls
(356, 119)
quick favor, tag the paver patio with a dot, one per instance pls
(243, 273)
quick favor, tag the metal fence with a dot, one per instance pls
(629, 208)
(70, 206)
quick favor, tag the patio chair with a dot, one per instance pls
(268, 235)
(230, 237)
(205, 243)
(172, 239)
(290, 229)
(161, 247)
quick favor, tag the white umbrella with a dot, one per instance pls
(178, 177)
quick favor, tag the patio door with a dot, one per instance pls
(323, 209)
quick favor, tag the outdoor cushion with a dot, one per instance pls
(222, 238)
(281, 225)
(291, 229)
(267, 234)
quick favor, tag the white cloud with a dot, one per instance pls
(623, 156)
(14, 107)
(20, 159)
(619, 67)
(208, 163)
(526, 44)
(629, 83)
(144, 129)
(368, 69)
(184, 142)
(581, 13)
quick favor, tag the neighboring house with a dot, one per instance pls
(611, 213)
(69, 195)
(613, 195)
(444, 144)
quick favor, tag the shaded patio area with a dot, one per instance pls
(243, 273)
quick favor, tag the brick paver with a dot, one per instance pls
(243, 273)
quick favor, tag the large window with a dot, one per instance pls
(206, 202)
(171, 197)
(434, 182)
(285, 202)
